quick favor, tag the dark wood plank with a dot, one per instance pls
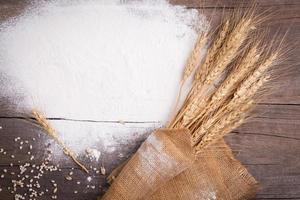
(10, 9)
(269, 146)
(13, 128)
(273, 161)
(275, 120)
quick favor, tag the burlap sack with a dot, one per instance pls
(164, 154)
(165, 168)
(214, 175)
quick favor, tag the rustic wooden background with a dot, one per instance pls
(268, 145)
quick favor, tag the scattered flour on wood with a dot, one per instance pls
(93, 154)
(98, 60)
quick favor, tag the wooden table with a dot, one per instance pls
(268, 145)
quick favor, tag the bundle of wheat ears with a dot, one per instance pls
(189, 159)
(228, 80)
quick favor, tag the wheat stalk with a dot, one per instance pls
(43, 122)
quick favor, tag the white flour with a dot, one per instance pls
(99, 60)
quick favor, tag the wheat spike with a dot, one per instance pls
(240, 71)
(229, 50)
(229, 110)
(224, 126)
(200, 74)
(209, 59)
(193, 60)
(43, 122)
(257, 73)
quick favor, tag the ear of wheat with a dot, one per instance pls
(45, 124)
(215, 47)
(194, 58)
(192, 62)
(241, 69)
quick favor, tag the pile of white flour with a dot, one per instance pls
(99, 60)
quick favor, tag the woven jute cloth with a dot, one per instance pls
(165, 167)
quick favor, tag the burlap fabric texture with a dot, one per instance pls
(166, 168)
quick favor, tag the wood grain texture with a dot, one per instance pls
(268, 144)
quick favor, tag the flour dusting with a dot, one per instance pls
(153, 158)
(101, 61)
(93, 154)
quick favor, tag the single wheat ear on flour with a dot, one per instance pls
(46, 126)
